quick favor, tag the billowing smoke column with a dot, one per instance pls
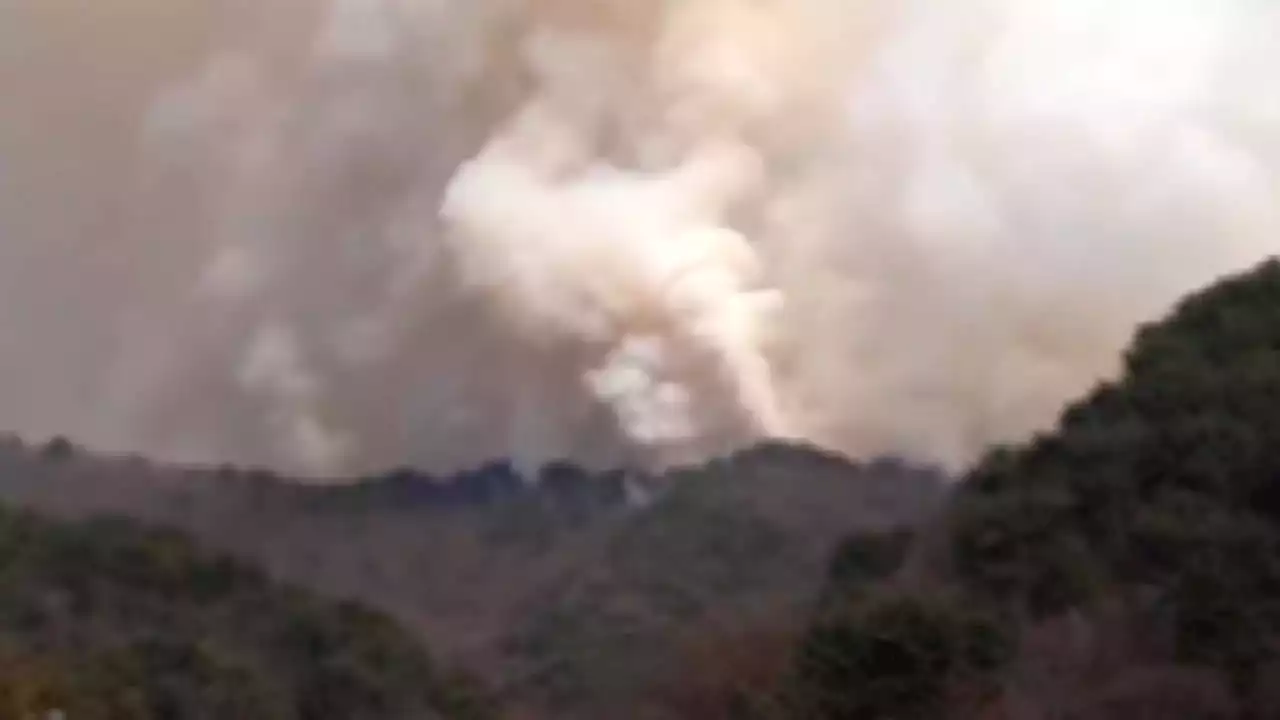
(359, 233)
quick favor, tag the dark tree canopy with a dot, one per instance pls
(1148, 521)
(106, 620)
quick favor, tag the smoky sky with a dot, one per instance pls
(336, 235)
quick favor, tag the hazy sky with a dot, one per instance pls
(341, 234)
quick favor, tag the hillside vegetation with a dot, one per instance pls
(1126, 565)
(107, 621)
(573, 596)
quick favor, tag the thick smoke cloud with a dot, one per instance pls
(338, 235)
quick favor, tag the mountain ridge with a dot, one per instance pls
(523, 582)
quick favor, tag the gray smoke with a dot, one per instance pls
(333, 236)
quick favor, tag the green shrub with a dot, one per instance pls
(897, 657)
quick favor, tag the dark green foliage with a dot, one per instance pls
(866, 558)
(58, 449)
(103, 619)
(1156, 501)
(1169, 479)
(897, 656)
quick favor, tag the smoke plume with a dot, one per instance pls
(334, 235)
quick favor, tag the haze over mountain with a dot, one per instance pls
(640, 294)
(571, 597)
(331, 236)
(1122, 565)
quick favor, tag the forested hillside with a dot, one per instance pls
(104, 620)
(1126, 565)
(573, 595)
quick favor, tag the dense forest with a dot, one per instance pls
(105, 620)
(1124, 565)
(572, 596)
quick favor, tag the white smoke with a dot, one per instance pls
(441, 231)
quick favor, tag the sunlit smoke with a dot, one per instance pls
(336, 236)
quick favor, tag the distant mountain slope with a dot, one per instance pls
(106, 621)
(569, 593)
(745, 538)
